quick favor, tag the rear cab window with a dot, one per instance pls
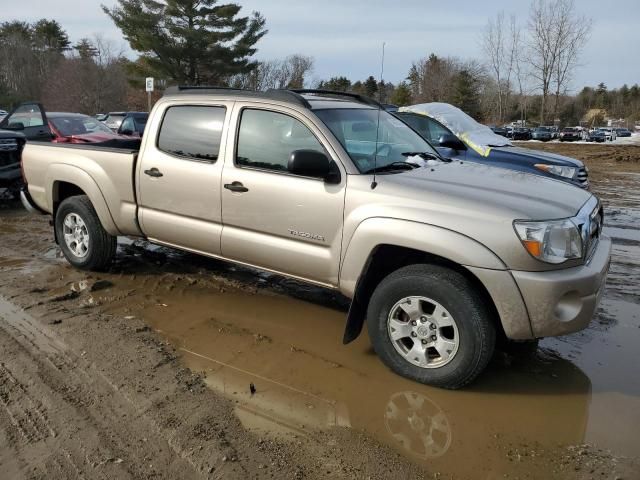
(192, 132)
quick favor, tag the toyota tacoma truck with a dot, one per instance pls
(440, 258)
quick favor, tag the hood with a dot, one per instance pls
(477, 136)
(472, 199)
(475, 189)
(527, 155)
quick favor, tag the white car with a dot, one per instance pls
(609, 133)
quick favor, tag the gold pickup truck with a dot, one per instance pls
(439, 257)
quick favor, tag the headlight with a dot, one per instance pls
(566, 172)
(554, 241)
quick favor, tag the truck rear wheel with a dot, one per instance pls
(83, 240)
(428, 323)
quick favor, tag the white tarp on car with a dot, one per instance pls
(477, 136)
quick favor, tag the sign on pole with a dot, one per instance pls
(149, 88)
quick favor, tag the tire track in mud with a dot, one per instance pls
(65, 381)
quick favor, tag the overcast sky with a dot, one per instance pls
(345, 36)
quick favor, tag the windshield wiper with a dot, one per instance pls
(426, 156)
(393, 166)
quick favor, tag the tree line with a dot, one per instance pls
(525, 72)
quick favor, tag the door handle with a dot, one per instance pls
(154, 172)
(236, 187)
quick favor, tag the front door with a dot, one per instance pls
(178, 178)
(31, 120)
(273, 218)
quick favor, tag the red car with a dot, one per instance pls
(78, 128)
(570, 134)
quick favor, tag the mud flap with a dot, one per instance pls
(355, 321)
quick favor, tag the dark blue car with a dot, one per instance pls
(456, 135)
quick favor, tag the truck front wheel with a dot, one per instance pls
(83, 240)
(428, 323)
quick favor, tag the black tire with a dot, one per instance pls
(101, 246)
(477, 334)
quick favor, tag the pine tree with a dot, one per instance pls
(465, 95)
(190, 41)
(338, 84)
(49, 36)
(401, 95)
(370, 86)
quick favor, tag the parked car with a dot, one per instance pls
(623, 132)
(570, 134)
(101, 117)
(115, 119)
(456, 135)
(609, 133)
(3, 113)
(133, 124)
(78, 128)
(499, 131)
(509, 130)
(521, 133)
(62, 127)
(438, 256)
(542, 133)
(11, 145)
(596, 136)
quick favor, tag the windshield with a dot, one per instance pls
(78, 125)
(357, 131)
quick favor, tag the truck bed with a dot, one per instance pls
(105, 173)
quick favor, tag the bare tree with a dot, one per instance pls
(89, 81)
(572, 33)
(556, 35)
(500, 56)
(292, 72)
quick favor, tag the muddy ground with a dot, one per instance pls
(145, 372)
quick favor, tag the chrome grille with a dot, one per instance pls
(8, 145)
(583, 175)
(590, 220)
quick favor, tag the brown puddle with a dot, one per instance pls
(305, 379)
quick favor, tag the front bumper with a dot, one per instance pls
(564, 301)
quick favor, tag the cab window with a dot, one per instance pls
(128, 125)
(428, 128)
(267, 139)
(192, 132)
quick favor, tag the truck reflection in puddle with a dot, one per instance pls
(305, 380)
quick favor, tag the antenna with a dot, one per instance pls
(374, 184)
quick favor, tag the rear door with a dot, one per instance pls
(178, 177)
(31, 120)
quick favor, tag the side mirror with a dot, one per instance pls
(126, 132)
(311, 163)
(16, 126)
(449, 140)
